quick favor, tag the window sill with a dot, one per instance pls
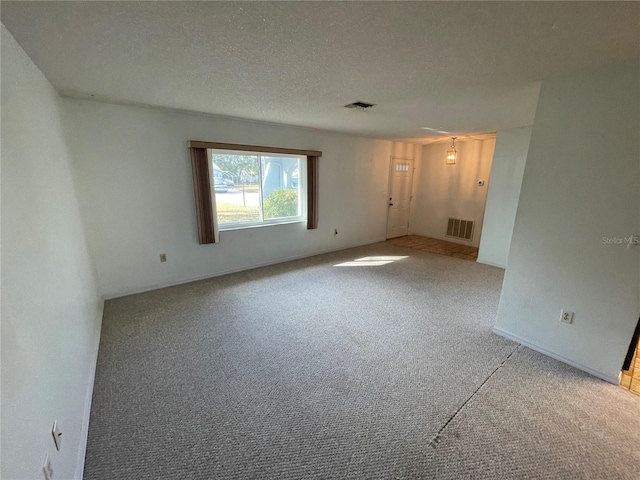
(222, 228)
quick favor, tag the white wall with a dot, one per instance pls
(581, 183)
(136, 193)
(442, 191)
(507, 170)
(50, 310)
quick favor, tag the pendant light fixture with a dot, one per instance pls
(452, 154)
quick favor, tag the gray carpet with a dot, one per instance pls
(537, 418)
(306, 370)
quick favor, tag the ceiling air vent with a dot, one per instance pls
(360, 105)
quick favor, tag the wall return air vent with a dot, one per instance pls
(364, 106)
(460, 228)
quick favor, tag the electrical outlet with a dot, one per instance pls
(566, 317)
(47, 469)
(163, 257)
(57, 435)
(335, 232)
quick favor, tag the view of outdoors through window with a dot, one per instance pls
(253, 188)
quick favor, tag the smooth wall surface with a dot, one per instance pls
(445, 191)
(581, 190)
(135, 188)
(507, 169)
(51, 313)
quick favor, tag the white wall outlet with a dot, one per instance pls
(566, 317)
(163, 257)
(57, 435)
(47, 469)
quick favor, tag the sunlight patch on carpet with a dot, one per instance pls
(372, 261)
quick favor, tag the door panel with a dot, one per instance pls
(399, 197)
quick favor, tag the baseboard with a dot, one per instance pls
(491, 264)
(134, 291)
(84, 433)
(608, 378)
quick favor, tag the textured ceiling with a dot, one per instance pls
(459, 67)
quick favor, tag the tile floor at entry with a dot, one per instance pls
(433, 245)
(630, 379)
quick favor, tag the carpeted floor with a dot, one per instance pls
(310, 370)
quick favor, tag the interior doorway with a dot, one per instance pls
(400, 182)
(630, 375)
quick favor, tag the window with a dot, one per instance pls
(240, 186)
(257, 188)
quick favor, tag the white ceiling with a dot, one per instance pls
(459, 67)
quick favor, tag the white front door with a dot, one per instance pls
(399, 197)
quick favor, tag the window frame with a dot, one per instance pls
(263, 222)
(204, 187)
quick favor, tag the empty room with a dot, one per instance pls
(320, 240)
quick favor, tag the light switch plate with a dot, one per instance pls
(57, 435)
(47, 469)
